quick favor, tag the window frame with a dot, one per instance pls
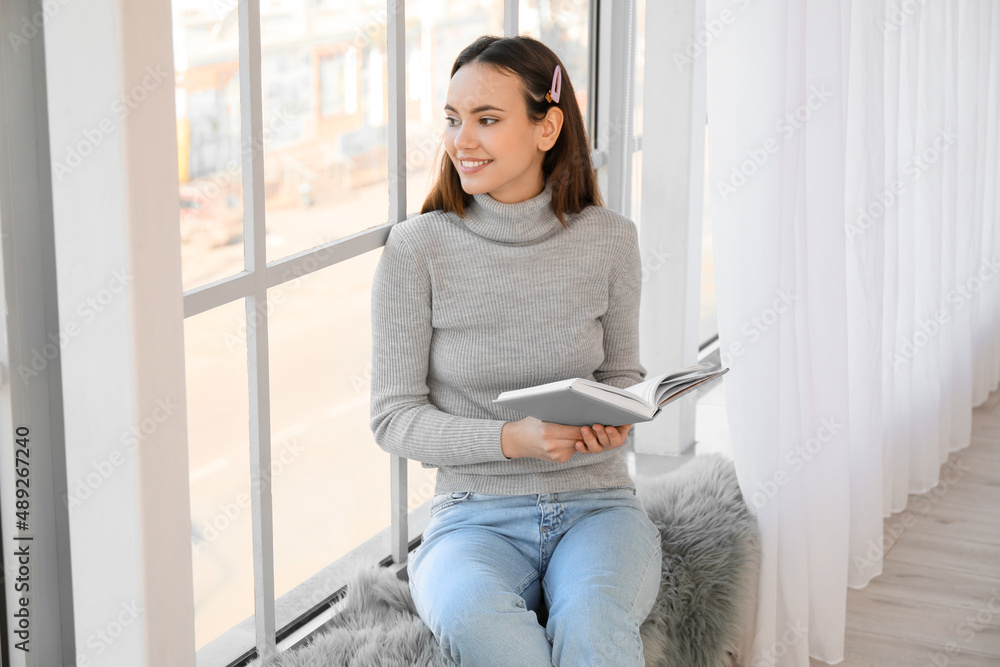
(611, 113)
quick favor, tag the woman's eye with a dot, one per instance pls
(450, 121)
(488, 121)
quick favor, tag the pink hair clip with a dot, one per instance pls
(556, 89)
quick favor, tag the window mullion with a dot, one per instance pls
(397, 212)
(593, 62)
(673, 173)
(397, 110)
(510, 18)
(255, 261)
(616, 56)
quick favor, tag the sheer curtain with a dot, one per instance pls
(854, 180)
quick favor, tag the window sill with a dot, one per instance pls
(302, 610)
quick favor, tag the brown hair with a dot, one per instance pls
(566, 165)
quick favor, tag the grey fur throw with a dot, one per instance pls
(701, 617)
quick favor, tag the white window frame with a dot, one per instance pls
(27, 282)
(87, 192)
(673, 181)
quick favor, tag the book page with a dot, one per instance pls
(676, 391)
(606, 392)
(649, 389)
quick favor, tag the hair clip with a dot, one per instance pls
(556, 89)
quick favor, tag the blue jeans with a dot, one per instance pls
(486, 561)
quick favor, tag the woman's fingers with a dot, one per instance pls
(599, 437)
(595, 440)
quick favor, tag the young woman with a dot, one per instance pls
(538, 551)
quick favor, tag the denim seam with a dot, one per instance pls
(448, 503)
(524, 584)
(611, 488)
(656, 547)
(413, 597)
(645, 573)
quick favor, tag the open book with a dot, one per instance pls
(581, 402)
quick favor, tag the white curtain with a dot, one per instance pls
(853, 151)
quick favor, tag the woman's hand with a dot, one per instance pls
(598, 438)
(533, 438)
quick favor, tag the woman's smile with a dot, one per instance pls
(467, 166)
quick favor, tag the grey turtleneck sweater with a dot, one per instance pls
(504, 298)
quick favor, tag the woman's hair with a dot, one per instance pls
(566, 166)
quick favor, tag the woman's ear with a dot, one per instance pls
(550, 127)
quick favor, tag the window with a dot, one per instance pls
(277, 309)
(338, 81)
(566, 28)
(437, 40)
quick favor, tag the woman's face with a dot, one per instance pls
(492, 143)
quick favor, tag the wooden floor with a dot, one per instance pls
(937, 601)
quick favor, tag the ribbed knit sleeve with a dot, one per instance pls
(621, 367)
(403, 419)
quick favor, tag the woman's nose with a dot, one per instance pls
(465, 137)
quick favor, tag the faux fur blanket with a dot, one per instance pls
(701, 617)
